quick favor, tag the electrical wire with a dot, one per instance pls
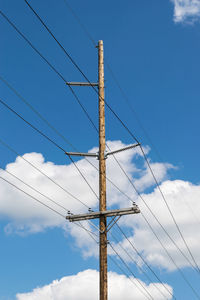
(53, 68)
(32, 197)
(66, 140)
(37, 50)
(49, 139)
(169, 209)
(63, 78)
(35, 190)
(80, 23)
(49, 178)
(48, 198)
(79, 69)
(123, 261)
(50, 65)
(162, 245)
(85, 78)
(124, 272)
(34, 110)
(144, 261)
(145, 274)
(91, 188)
(123, 124)
(32, 126)
(170, 257)
(87, 33)
(56, 131)
(45, 196)
(119, 119)
(142, 198)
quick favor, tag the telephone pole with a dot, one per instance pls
(103, 213)
(102, 180)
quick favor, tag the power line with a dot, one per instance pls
(129, 132)
(51, 200)
(33, 197)
(154, 214)
(65, 81)
(162, 245)
(53, 36)
(169, 209)
(182, 274)
(32, 126)
(34, 189)
(145, 274)
(66, 191)
(91, 188)
(44, 59)
(33, 47)
(49, 178)
(37, 50)
(34, 110)
(56, 131)
(79, 69)
(50, 65)
(144, 261)
(119, 119)
(80, 23)
(122, 260)
(124, 272)
(170, 257)
(50, 140)
(87, 33)
(142, 198)
(114, 114)
(123, 124)
(17, 114)
(60, 215)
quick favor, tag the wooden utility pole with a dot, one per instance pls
(103, 213)
(102, 180)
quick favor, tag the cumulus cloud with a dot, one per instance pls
(183, 200)
(186, 10)
(84, 286)
(26, 216)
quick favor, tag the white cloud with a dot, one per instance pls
(84, 286)
(183, 200)
(186, 10)
(27, 216)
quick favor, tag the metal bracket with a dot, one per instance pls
(122, 149)
(105, 155)
(82, 154)
(112, 223)
(82, 83)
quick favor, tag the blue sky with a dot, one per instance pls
(152, 48)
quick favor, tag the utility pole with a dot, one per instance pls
(103, 213)
(102, 180)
